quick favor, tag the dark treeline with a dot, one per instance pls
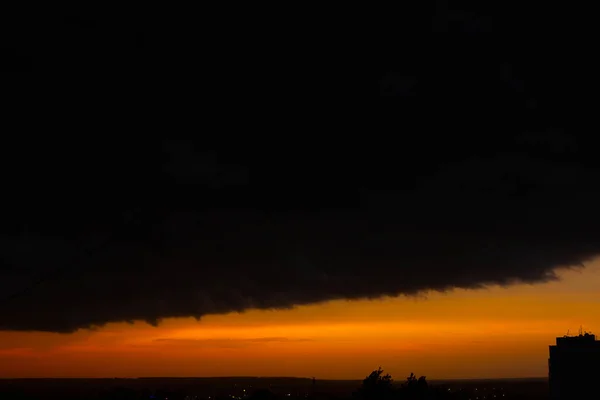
(378, 385)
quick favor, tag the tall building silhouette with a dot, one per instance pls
(574, 367)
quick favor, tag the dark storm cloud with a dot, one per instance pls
(303, 192)
(499, 220)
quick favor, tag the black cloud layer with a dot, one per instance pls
(337, 169)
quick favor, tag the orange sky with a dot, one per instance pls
(495, 332)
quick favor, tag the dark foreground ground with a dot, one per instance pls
(241, 388)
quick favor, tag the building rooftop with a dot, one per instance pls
(581, 340)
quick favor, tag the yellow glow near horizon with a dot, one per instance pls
(494, 332)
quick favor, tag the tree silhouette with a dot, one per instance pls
(414, 388)
(376, 386)
(380, 386)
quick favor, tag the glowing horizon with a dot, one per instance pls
(486, 333)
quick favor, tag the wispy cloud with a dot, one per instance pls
(17, 351)
(228, 343)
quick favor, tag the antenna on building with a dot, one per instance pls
(568, 330)
(580, 330)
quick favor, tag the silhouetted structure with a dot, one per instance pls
(378, 386)
(574, 367)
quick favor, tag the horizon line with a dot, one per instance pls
(270, 377)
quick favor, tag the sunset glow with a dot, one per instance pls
(461, 334)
